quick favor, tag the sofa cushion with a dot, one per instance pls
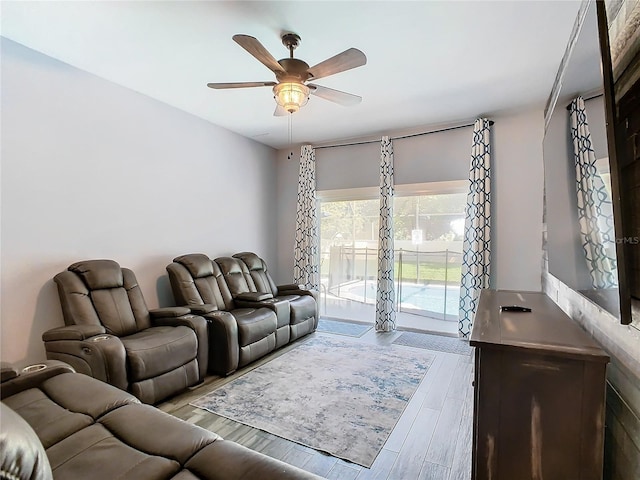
(147, 443)
(89, 395)
(159, 350)
(257, 269)
(254, 324)
(65, 404)
(79, 455)
(302, 308)
(21, 453)
(150, 430)
(113, 307)
(225, 460)
(50, 421)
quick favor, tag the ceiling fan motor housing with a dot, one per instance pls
(294, 70)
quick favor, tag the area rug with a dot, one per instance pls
(440, 343)
(335, 395)
(342, 328)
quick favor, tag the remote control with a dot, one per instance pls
(514, 308)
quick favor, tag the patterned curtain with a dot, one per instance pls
(595, 212)
(385, 295)
(305, 269)
(476, 247)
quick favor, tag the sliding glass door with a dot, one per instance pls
(428, 245)
(348, 258)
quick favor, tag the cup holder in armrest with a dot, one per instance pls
(100, 338)
(34, 368)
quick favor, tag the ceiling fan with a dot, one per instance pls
(291, 91)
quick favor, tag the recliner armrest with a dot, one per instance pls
(290, 286)
(101, 356)
(253, 296)
(33, 375)
(169, 312)
(279, 306)
(196, 323)
(8, 371)
(73, 332)
(203, 309)
(296, 290)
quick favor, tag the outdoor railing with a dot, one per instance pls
(343, 267)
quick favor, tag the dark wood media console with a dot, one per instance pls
(539, 396)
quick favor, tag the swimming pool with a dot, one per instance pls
(430, 300)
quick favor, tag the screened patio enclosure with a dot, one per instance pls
(428, 244)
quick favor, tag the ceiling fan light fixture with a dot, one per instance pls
(291, 95)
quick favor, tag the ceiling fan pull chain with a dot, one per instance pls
(290, 156)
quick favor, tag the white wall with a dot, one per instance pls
(518, 184)
(94, 170)
(517, 188)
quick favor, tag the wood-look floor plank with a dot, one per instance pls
(320, 464)
(341, 471)
(277, 448)
(443, 444)
(461, 380)
(259, 441)
(297, 457)
(410, 458)
(433, 471)
(431, 377)
(242, 435)
(381, 467)
(237, 433)
(401, 430)
(461, 463)
(439, 384)
(467, 407)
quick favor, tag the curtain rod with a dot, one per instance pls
(587, 98)
(491, 122)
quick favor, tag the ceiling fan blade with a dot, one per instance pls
(280, 111)
(343, 98)
(240, 85)
(341, 62)
(255, 48)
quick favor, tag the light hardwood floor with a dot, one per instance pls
(431, 441)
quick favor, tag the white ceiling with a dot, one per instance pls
(428, 62)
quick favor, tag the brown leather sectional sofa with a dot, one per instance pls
(60, 424)
(248, 316)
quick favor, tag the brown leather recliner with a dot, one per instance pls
(237, 336)
(112, 336)
(245, 321)
(303, 303)
(238, 281)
